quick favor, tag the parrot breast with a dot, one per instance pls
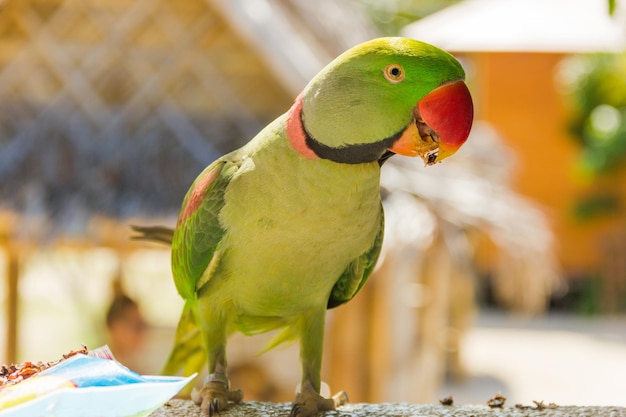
(292, 226)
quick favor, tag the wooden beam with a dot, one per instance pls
(11, 284)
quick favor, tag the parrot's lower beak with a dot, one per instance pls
(441, 123)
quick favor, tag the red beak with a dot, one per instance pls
(442, 122)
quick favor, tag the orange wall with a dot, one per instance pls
(517, 93)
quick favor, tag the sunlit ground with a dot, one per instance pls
(560, 359)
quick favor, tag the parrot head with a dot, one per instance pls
(382, 97)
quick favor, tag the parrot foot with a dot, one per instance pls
(215, 395)
(308, 403)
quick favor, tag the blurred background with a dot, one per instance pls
(503, 270)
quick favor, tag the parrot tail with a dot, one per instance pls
(159, 234)
(188, 355)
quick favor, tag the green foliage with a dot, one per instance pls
(596, 205)
(597, 87)
(391, 15)
(590, 296)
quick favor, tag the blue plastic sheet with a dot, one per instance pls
(85, 386)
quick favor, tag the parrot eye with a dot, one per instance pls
(394, 73)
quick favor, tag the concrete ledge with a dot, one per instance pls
(185, 408)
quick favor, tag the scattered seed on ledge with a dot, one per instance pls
(497, 401)
(539, 405)
(447, 401)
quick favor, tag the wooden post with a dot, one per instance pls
(12, 278)
(12, 304)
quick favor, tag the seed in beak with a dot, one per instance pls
(426, 132)
(432, 157)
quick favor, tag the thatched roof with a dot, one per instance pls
(114, 107)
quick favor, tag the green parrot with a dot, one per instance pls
(273, 234)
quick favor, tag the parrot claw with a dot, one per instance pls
(309, 403)
(213, 407)
(215, 395)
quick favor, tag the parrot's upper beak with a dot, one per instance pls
(442, 121)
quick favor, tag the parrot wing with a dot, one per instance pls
(355, 275)
(196, 240)
(195, 254)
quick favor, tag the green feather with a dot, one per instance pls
(199, 232)
(358, 271)
(188, 355)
